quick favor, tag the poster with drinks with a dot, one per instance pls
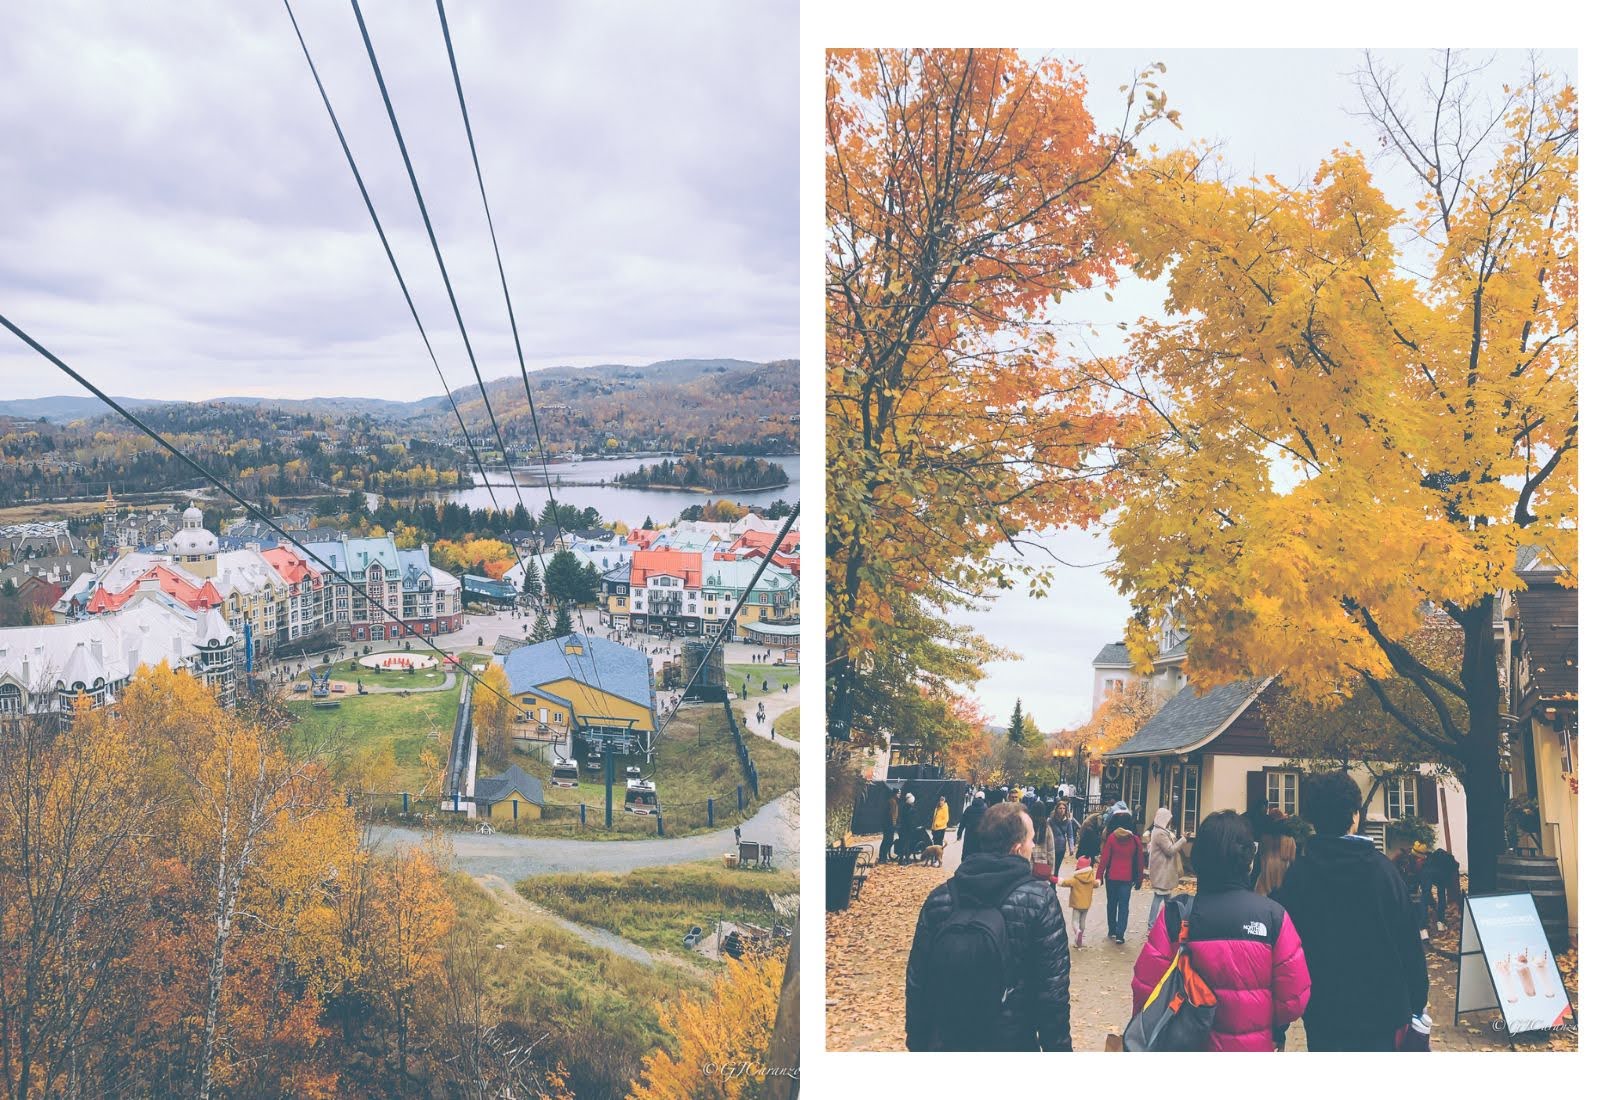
(1506, 962)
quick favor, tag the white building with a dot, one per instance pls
(44, 668)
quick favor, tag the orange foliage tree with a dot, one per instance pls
(717, 1043)
(961, 202)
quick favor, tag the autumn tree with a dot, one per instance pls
(492, 716)
(1360, 414)
(727, 1029)
(961, 202)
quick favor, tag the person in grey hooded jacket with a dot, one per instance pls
(1161, 855)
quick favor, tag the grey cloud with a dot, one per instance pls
(178, 215)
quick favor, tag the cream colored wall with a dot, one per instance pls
(1558, 809)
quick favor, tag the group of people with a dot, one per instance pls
(1328, 933)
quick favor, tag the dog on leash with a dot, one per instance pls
(933, 855)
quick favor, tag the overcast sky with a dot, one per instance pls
(1273, 111)
(178, 220)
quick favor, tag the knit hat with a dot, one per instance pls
(1083, 861)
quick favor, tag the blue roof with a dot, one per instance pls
(622, 670)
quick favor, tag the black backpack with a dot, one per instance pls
(969, 962)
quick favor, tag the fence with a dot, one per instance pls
(739, 746)
(683, 818)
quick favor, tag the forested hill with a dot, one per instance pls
(727, 405)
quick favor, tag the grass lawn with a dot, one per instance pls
(695, 760)
(380, 738)
(655, 906)
(389, 678)
(787, 725)
(599, 1011)
(775, 676)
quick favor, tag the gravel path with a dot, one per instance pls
(516, 857)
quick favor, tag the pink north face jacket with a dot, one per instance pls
(1246, 947)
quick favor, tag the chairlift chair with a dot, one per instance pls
(564, 774)
(641, 797)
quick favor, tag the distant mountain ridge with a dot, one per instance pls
(553, 384)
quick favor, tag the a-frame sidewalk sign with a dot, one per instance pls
(1506, 964)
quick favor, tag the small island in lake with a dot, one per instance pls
(716, 474)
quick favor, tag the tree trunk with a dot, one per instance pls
(1480, 772)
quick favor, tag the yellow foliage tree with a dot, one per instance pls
(717, 1042)
(1358, 415)
(492, 716)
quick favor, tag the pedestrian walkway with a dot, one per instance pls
(868, 944)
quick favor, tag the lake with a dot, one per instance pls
(632, 506)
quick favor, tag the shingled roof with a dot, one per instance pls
(599, 662)
(493, 788)
(1114, 654)
(1189, 719)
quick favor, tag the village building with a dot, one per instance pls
(487, 590)
(510, 796)
(44, 669)
(306, 610)
(575, 690)
(48, 539)
(1543, 689)
(774, 599)
(664, 591)
(1206, 751)
(425, 599)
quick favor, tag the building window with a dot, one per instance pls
(1113, 687)
(1189, 818)
(10, 699)
(1402, 797)
(1283, 792)
(1135, 791)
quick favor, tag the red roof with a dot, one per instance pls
(643, 538)
(762, 540)
(181, 588)
(674, 563)
(291, 566)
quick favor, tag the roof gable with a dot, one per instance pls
(1190, 719)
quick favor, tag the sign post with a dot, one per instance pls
(1506, 963)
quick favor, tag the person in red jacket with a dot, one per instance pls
(1121, 870)
(1244, 945)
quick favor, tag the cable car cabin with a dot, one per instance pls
(564, 774)
(633, 772)
(593, 762)
(641, 797)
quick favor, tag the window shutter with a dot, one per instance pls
(1428, 799)
(1255, 789)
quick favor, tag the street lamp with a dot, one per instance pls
(1061, 756)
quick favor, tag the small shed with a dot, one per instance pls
(511, 795)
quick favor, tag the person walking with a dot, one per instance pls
(1081, 896)
(1369, 973)
(941, 820)
(1277, 853)
(1060, 830)
(1244, 945)
(1121, 870)
(989, 967)
(1090, 838)
(967, 827)
(886, 849)
(907, 827)
(1161, 849)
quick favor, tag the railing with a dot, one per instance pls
(739, 745)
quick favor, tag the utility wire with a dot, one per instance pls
(444, 274)
(236, 498)
(405, 290)
(505, 289)
(744, 597)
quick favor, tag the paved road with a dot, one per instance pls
(517, 857)
(776, 705)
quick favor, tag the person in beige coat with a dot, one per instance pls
(1161, 854)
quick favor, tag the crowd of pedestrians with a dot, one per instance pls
(1329, 932)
